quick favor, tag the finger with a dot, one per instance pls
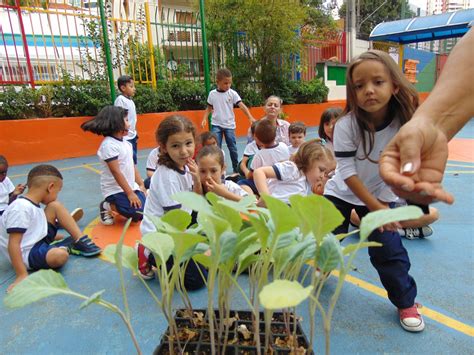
(410, 153)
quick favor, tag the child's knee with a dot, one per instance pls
(57, 257)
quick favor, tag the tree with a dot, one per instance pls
(390, 11)
(261, 36)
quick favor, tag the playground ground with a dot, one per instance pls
(364, 320)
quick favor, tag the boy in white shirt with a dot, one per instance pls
(8, 191)
(221, 102)
(297, 133)
(28, 233)
(125, 100)
(269, 154)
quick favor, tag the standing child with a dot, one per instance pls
(127, 90)
(221, 103)
(8, 191)
(28, 233)
(176, 172)
(326, 126)
(297, 132)
(379, 101)
(120, 181)
(211, 166)
(305, 168)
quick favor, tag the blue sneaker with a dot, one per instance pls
(85, 247)
(63, 243)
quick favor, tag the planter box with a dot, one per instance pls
(199, 343)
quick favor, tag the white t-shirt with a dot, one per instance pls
(223, 104)
(290, 181)
(127, 103)
(110, 149)
(152, 161)
(251, 149)
(269, 156)
(23, 216)
(234, 188)
(292, 149)
(349, 153)
(6, 188)
(164, 183)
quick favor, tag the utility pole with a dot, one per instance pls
(352, 28)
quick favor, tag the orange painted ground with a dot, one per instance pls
(461, 149)
(105, 235)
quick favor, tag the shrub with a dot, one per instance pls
(16, 104)
(186, 95)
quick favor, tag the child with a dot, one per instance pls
(211, 166)
(296, 176)
(379, 101)
(249, 152)
(127, 90)
(269, 154)
(8, 192)
(297, 131)
(273, 109)
(27, 232)
(120, 181)
(326, 126)
(209, 138)
(151, 165)
(176, 172)
(221, 102)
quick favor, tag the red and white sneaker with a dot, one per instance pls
(411, 319)
(145, 269)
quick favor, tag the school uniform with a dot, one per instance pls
(6, 188)
(132, 136)
(289, 181)
(391, 260)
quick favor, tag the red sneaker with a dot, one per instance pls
(411, 319)
(144, 267)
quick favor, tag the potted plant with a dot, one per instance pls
(281, 247)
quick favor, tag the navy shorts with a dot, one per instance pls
(250, 183)
(37, 256)
(122, 204)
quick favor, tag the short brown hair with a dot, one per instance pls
(310, 152)
(223, 73)
(265, 131)
(297, 127)
(43, 170)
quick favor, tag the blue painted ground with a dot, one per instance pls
(363, 321)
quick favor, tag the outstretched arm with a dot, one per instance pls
(246, 110)
(413, 163)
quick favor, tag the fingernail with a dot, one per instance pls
(407, 168)
(406, 188)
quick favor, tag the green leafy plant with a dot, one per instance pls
(275, 245)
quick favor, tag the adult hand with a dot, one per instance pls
(414, 161)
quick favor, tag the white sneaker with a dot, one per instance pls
(77, 214)
(411, 319)
(105, 215)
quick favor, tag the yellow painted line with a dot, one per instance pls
(459, 172)
(460, 165)
(427, 312)
(88, 167)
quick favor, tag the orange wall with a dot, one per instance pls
(46, 139)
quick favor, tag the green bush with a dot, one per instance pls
(86, 98)
(16, 104)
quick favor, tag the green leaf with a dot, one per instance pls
(284, 218)
(206, 261)
(379, 218)
(38, 285)
(245, 263)
(213, 226)
(316, 213)
(349, 249)
(199, 248)
(330, 254)
(286, 239)
(179, 219)
(129, 256)
(244, 239)
(230, 215)
(227, 243)
(283, 294)
(183, 242)
(160, 244)
(260, 227)
(95, 298)
(193, 201)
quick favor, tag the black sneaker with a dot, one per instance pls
(85, 247)
(414, 233)
(63, 243)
